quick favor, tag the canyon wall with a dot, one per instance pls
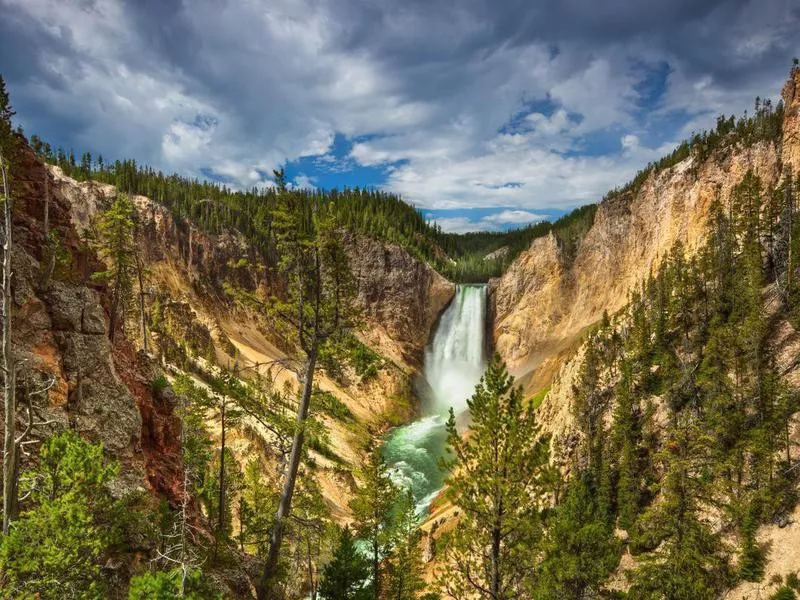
(401, 297)
(545, 299)
(60, 339)
(188, 272)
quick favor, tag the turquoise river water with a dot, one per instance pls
(454, 362)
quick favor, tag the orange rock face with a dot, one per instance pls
(543, 302)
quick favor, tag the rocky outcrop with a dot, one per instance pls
(543, 302)
(790, 152)
(59, 331)
(180, 322)
(401, 297)
(205, 260)
(62, 332)
(159, 441)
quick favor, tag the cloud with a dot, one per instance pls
(513, 217)
(469, 103)
(304, 182)
(484, 219)
(458, 224)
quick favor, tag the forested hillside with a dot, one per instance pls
(166, 385)
(675, 417)
(551, 293)
(217, 209)
(686, 407)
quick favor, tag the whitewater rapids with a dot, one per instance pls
(454, 362)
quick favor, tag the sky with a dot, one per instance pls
(485, 114)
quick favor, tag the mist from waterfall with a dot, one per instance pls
(454, 362)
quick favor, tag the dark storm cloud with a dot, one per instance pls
(425, 86)
(23, 43)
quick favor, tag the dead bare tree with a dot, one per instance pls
(142, 313)
(9, 367)
(28, 437)
(49, 254)
(179, 545)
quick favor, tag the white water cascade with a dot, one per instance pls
(454, 362)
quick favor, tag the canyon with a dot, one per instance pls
(426, 333)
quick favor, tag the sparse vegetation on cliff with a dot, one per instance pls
(683, 412)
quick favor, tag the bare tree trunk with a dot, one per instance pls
(495, 585)
(184, 556)
(310, 565)
(241, 523)
(267, 582)
(221, 516)
(145, 344)
(9, 368)
(46, 202)
(790, 226)
(113, 317)
(189, 262)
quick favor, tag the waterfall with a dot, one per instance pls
(454, 360)
(454, 363)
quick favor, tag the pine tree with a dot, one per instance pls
(171, 585)
(319, 304)
(498, 478)
(117, 248)
(310, 532)
(751, 560)
(690, 562)
(346, 576)
(626, 436)
(256, 509)
(222, 482)
(580, 548)
(589, 407)
(372, 509)
(6, 112)
(405, 564)
(54, 549)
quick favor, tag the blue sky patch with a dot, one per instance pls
(336, 168)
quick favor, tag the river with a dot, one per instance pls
(454, 362)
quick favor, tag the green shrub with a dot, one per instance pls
(159, 384)
(784, 593)
(170, 585)
(332, 406)
(56, 547)
(793, 581)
